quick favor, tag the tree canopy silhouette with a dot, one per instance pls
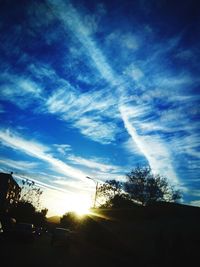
(31, 193)
(28, 209)
(142, 186)
(113, 195)
(145, 187)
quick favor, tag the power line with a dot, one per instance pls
(31, 178)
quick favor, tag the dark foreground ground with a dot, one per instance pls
(144, 250)
(148, 238)
(40, 252)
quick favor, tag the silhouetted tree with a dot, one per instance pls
(113, 196)
(30, 193)
(108, 191)
(145, 187)
(28, 207)
(44, 212)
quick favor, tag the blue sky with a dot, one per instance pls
(95, 88)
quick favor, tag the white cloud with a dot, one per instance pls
(72, 104)
(92, 22)
(101, 177)
(94, 128)
(188, 144)
(129, 41)
(74, 186)
(181, 80)
(63, 148)
(194, 192)
(41, 70)
(61, 99)
(89, 112)
(152, 148)
(16, 164)
(38, 151)
(29, 87)
(125, 40)
(72, 21)
(134, 72)
(195, 203)
(19, 90)
(91, 163)
(131, 147)
(134, 111)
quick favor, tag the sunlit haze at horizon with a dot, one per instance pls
(96, 88)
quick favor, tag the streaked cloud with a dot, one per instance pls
(62, 148)
(195, 203)
(92, 164)
(87, 112)
(38, 151)
(40, 70)
(125, 40)
(72, 21)
(19, 90)
(158, 158)
(16, 164)
(134, 72)
(97, 130)
(73, 73)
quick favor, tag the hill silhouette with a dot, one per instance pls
(162, 234)
(54, 219)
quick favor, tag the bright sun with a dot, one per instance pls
(81, 211)
(60, 204)
(80, 205)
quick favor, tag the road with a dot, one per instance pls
(40, 252)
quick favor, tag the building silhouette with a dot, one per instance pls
(9, 191)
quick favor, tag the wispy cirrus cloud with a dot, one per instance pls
(159, 158)
(187, 144)
(195, 203)
(40, 70)
(96, 114)
(125, 40)
(62, 148)
(72, 21)
(182, 79)
(74, 186)
(16, 164)
(144, 143)
(134, 72)
(90, 112)
(43, 185)
(70, 102)
(96, 129)
(39, 151)
(19, 90)
(93, 164)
